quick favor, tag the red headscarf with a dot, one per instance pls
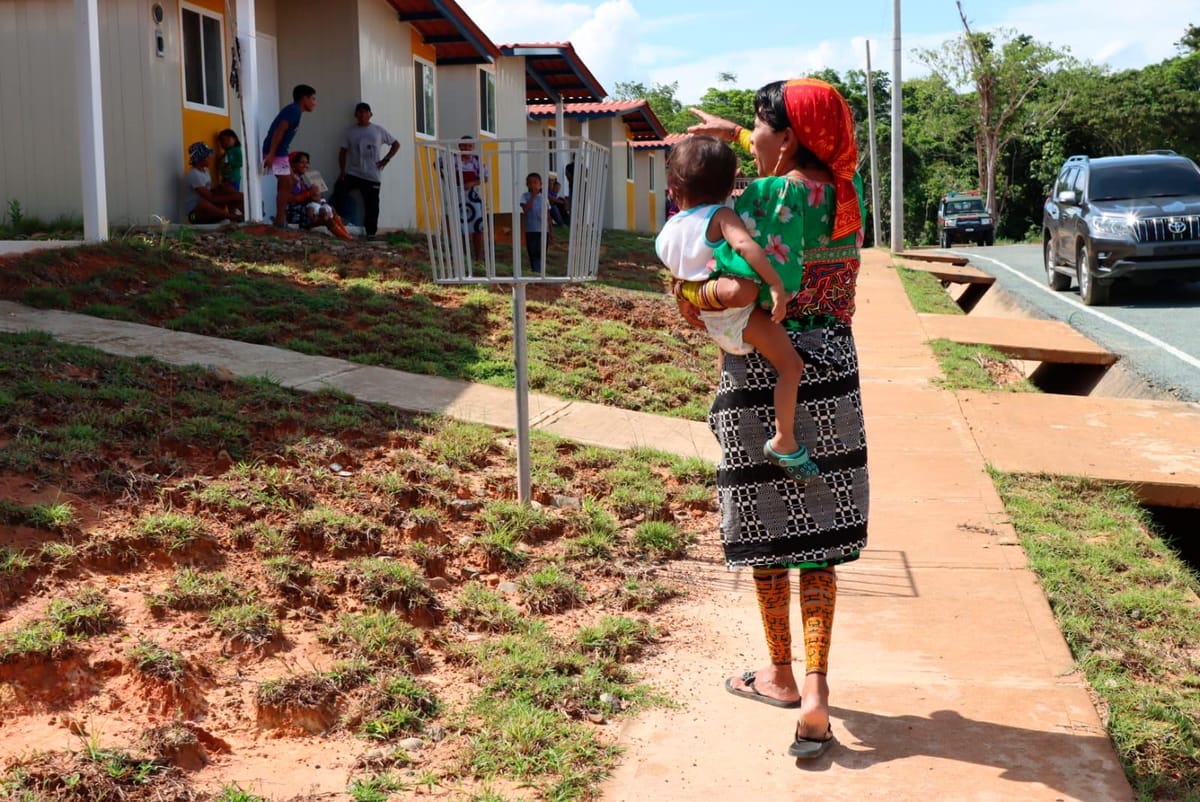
(821, 120)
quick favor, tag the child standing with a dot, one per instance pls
(531, 211)
(230, 163)
(700, 175)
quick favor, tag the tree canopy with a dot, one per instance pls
(999, 112)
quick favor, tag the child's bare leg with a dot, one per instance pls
(733, 292)
(771, 340)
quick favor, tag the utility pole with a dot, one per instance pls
(897, 136)
(876, 223)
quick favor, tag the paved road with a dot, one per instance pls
(1156, 330)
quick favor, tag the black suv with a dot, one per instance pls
(1122, 217)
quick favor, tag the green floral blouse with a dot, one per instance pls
(791, 219)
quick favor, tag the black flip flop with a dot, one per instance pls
(811, 748)
(753, 693)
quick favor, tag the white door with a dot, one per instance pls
(268, 107)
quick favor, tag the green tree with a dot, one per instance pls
(1005, 69)
(661, 98)
(1190, 41)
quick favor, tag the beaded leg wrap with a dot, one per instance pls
(818, 596)
(773, 589)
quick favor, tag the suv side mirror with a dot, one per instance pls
(1067, 196)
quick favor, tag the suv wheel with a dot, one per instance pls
(1056, 280)
(1091, 292)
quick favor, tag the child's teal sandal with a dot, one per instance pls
(797, 465)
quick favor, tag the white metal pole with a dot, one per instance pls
(247, 32)
(91, 121)
(876, 223)
(521, 358)
(897, 136)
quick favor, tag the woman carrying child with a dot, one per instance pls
(810, 202)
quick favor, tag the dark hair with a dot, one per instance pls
(302, 90)
(232, 133)
(361, 107)
(770, 107)
(297, 155)
(538, 176)
(701, 169)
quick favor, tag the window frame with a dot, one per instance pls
(419, 92)
(551, 134)
(486, 107)
(630, 168)
(202, 12)
(650, 159)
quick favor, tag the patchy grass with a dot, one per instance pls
(348, 554)
(50, 517)
(616, 341)
(390, 583)
(978, 367)
(617, 637)
(194, 590)
(83, 614)
(251, 624)
(551, 589)
(926, 292)
(644, 596)
(155, 661)
(1128, 607)
(381, 638)
(661, 539)
(400, 706)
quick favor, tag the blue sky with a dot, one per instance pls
(692, 42)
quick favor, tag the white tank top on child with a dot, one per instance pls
(683, 244)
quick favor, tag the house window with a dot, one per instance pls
(651, 160)
(552, 142)
(629, 175)
(203, 59)
(425, 92)
(487, 102)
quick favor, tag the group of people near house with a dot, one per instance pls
(299, 199)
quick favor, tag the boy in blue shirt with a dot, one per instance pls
(278, 140)
(531, 211)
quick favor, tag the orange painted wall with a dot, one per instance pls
(202, 126)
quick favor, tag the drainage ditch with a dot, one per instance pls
(1177, 526)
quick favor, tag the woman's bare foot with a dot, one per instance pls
(814, 711)
(776, 682)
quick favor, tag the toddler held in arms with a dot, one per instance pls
(700, 176)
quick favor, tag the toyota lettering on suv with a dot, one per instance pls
(1122, 217)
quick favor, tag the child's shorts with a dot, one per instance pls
(281, 166)
(727, 326)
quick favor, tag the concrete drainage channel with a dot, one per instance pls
(1176, 525)
(1063, 378)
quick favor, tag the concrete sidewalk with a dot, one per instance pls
(950, 677)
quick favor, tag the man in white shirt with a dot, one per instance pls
(360, 165)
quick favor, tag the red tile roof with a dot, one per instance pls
(455, 37)
(636, 114)
(666, 143)
(553, 71)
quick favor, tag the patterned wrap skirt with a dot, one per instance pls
(767, 519)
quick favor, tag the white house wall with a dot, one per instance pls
(386, 69)
(319, 45)
(39, 120)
